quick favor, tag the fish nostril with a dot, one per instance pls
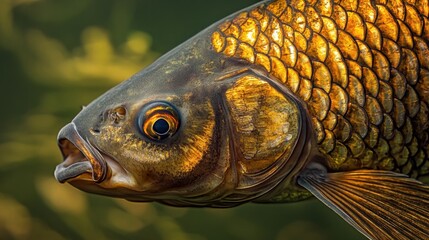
(116, 115)
(121, 111)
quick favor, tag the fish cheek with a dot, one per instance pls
(265, 125)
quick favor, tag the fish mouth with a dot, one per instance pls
(81, 160)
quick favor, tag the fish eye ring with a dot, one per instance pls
(158, 120)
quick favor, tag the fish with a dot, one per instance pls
(279, 102)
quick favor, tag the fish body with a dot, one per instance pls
(279, 102)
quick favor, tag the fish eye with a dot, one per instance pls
(158, 121)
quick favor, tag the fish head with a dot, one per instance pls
(193, 129)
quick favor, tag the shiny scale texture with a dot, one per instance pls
(361, 67)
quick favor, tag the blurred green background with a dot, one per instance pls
(57, 55)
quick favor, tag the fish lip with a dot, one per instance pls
(79, 157)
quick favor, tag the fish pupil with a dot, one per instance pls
(161, 127)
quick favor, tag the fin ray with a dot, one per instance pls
(380, 204)
(376, 196)
(351, 212)
(387, 220)
(358, 207)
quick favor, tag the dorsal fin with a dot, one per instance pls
(380, 204)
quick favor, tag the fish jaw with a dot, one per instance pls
(85, 166)
(80, 157)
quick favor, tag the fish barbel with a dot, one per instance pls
(279, 102)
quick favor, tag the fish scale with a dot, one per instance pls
(361, 67)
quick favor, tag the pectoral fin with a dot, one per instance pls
(380, 204)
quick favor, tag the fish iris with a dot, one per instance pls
(158, 121)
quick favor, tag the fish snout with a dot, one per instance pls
(81, 160)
